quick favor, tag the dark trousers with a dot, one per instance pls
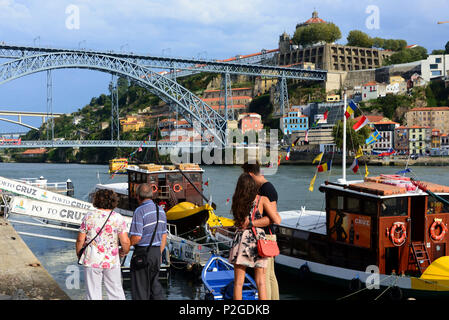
(145, 283)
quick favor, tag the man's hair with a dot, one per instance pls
(144, 191)
(253, 168)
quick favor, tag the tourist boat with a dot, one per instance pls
(118, 165)
(218, 277)
(177, 189)
(385, 232)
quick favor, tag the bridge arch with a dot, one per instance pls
(19, 123)
(191, 107)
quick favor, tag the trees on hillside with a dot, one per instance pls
(407, 55)
(317, 32)
(358, 38)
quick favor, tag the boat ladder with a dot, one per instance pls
(421, 256)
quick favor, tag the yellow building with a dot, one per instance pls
(419, 139)
(132, 123)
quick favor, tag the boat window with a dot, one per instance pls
(336, 202)
(174, 177)
(138, 177)
(370, 207)
(436, 206)
(394, 207)
(151, 178)
(132, 177)
(353, 205)
(194, 177)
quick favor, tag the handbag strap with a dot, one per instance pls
(104, 224)
(155, 229)
(253, 214)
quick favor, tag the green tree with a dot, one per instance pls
(358, 38)
(446, 47)
(313, 33)
(353, 139)
(407, 55)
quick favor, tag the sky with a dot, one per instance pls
(186, 28)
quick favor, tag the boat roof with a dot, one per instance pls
(120, 187)
(386, 186)
(306, 220)
(163, 169)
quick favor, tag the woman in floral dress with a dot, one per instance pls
(243, 251)
(101, 259)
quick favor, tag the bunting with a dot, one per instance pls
(366, 170)
(350, 109)
(312, 183)
(287, 157)
(318, 158)
(355, 165)
(325, 166)
(360, 124)
(359, 152)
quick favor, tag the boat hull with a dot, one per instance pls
(410, 287)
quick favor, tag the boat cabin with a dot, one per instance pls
(386, 221)
(170, 184)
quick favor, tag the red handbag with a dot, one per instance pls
(266, 248)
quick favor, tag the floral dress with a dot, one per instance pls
(103, 252)
(244, 246)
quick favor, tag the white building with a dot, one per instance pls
(436, 65)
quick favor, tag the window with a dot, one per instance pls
(353, 205)
(394, 207)
(433, 66)
(436, 73)
(335, 202)
(437, 60)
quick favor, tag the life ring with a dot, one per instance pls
(154, 188)
(177, 187)
(435, 224)
(398, 240)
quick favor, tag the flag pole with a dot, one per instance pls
(343, 179)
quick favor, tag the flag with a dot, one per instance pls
(318, 158)
(306, 138)
(366, 170)
(326, 114)
(387, 153)
(373, 138)
(279, 160)
(227, 201)
(359, 152)
(350, 109)
(206, 183)
(287, 157)
(325, 166)
(360, 124)
(312, 182)
(140, 149)
(404, 171)
(355, 165)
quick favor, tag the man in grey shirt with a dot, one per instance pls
(145, 282)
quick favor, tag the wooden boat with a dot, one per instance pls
(217, 274)
(118, 165)
(379, 233)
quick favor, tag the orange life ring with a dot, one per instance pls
(177, 187)
(435, 224)
(395, 239)
(154, 188)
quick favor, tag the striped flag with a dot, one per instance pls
(325, 166)
(355, 165)
(306, 138)
(350, 109)
(287, 157)
(360, 124)
(366, 170)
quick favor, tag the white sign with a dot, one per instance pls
(51, 211)
(37, 193)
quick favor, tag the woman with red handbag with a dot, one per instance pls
(246, 203)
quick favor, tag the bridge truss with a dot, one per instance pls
(140, 68)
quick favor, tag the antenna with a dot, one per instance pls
(343, 164)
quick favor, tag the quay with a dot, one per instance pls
(22, 276)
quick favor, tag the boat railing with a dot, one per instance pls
(60, 187)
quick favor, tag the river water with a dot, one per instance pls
(291, 182)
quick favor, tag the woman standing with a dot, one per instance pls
(101, 257)
(244, 252)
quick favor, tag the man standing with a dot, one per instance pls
(145, 281)
(266, 189)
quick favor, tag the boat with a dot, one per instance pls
(118, 166)
(218, 278)
(386, 233)
(188, 217)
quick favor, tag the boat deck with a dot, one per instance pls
(308, 220)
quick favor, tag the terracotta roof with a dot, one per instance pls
(233, 98)
(35, 151)
(386, 122)
(371, 118)
(371, 83)
(233, 89)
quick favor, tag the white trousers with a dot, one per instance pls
(112, 279)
